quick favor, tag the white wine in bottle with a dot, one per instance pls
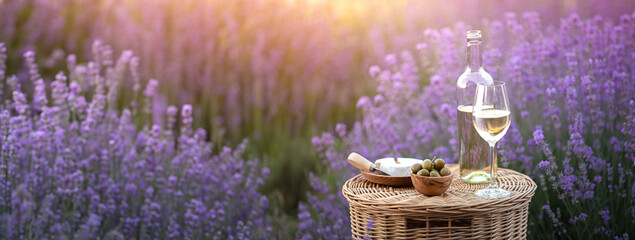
(474, 161)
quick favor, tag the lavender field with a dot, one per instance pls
(198, 119)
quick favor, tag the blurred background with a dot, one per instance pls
(276, 72)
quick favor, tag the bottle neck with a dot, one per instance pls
(474, 56)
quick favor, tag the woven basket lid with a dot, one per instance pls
(459, 196)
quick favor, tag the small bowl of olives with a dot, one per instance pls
(431, 177)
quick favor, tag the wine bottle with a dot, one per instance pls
(473, 150)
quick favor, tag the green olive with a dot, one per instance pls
(415, 167)
(439, 164)
(445, 171)
(434, 173)
(427, 164)
(423, 172)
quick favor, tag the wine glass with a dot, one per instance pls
(491, 117)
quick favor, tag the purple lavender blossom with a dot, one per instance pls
(544, 165)
(267, 54)
(578, 218)
(81, 169)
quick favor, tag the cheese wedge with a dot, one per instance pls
(401, 168)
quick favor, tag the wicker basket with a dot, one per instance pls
(404, 213)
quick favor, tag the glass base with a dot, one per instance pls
(492, 193)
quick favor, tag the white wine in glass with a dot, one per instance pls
(491, 117)
(492, 124)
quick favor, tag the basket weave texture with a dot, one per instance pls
(404, 213)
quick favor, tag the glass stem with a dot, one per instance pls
(492, 173)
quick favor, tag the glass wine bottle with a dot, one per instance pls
(473, 150)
